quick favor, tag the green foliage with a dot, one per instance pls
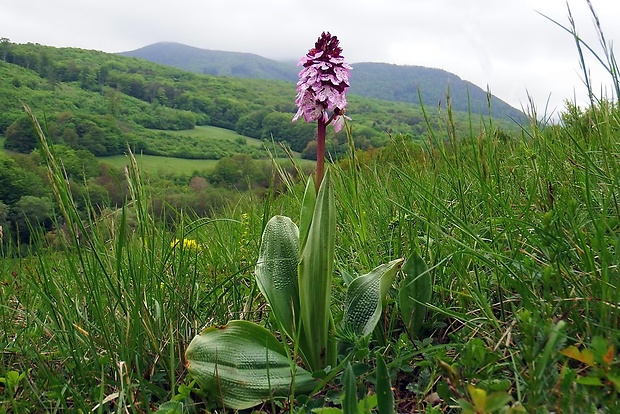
(293, 272)
(366, 296)
(15, 182)
(595, 377)
(276, 271)
(102, 102)
(415, 292)
(242, 364)
(20, 136)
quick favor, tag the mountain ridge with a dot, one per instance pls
(399, 83)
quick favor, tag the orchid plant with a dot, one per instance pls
(243, 364)
(322, 86)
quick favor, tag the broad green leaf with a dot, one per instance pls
(364, 299)
(497, 400)
(315, 273)
(383, 388)
(589, 381)
(415, 292)
(171, 407)
(242, 364)
(276, 271)
(367, 404)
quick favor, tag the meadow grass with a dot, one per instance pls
(154, 164)
(211, 132)
(520, 234)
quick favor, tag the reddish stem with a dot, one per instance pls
(320, 153)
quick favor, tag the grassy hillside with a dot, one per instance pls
(154, 165)
(207, 132)
(100, 102)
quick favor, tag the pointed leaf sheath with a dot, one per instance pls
(415, 292)
(307, 211)
(242, 364)
(315, 272)
(276, 271)
(349, 402)
(383, 387)
(364, 299)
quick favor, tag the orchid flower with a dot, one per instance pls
(323, 82)
(322, 85)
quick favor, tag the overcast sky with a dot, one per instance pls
(505, 44)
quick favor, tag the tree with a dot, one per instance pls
(20, 136)
(5, 47)
(309, 153)
(278, 126)
(12, 182)
(251, 124)
(31, 213)
(226, 112)
(238, 171)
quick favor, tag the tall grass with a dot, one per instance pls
(102, 320)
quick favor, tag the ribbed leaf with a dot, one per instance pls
(276, 271)
(315, 272)
(415, 292)
(242, 364)
(364, 299)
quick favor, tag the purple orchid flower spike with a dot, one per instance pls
(323, 81)
(322, 85)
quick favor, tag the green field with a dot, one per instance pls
(154, 164)
(211, 132)
(167, 165)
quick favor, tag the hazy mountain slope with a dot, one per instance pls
(412, 83)
(215, 62)
(375, 80)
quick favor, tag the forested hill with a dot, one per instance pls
(375, 80)
(101, 102)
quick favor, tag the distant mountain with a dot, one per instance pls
(414, 83)
(375, 80)
(215, 62)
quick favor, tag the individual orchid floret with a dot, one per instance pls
(339, 119)
(323, 83)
